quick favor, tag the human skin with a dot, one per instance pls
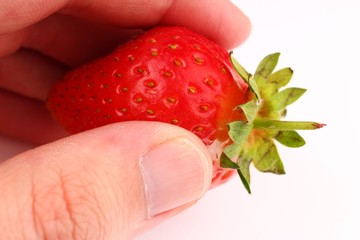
(84, 185)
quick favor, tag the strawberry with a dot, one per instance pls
(176, 76)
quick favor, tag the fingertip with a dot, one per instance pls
(237, 30)
(221, 21)
(176, 172)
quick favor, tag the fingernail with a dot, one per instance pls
(175, 173)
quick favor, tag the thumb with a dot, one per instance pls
(108, 183)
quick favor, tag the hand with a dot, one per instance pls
(107, 183)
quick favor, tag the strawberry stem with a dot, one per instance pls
(285, 125)
(263, 112)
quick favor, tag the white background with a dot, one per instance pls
(318, 198)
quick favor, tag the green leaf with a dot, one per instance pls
(280, 78)
(240, 69)
(250, 109)
(265, 156)
(275, 81)
(264, 69)
(246, 76)
(286, 97)
(244, 172)
(226, 162)
(238, 132)
(289, 139)
(254, 88)
(266, 66)
(253, 140)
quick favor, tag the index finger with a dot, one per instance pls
(219, 20)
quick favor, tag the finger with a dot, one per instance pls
(73, 41)
(210, 17)
(221, 21)
(224, 23)
(10, 147)
(99, 185)
(29, 73)
(11, 42)
(27, 120)
(20, 14)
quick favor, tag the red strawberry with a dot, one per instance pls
(176, 76)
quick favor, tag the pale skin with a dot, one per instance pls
(71, 187)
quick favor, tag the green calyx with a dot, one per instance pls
(253, 139)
